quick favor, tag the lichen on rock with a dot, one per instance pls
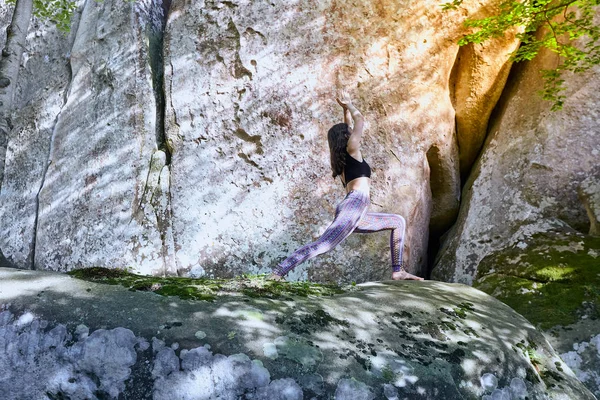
(39, 359)
(584, 360)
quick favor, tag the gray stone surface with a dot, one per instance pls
(43, 82)
(5, 16)
(37, 358)
(589, 192)
(249, 102)
(579, 346)
(417, 340)
(100, 202)
(243, 166)
(537, 177)
(584, 360)
(528, 177)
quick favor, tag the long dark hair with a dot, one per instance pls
(338, 140)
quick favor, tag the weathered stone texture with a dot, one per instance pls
(584, 360)
(43, 80)
(536, 180)
(480, 74)
(530, 172)
(5, 15)
(589, 193)
(95, 205)
(250, 159)
(416, 340)
(240, 178)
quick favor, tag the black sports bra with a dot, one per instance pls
(355, 169)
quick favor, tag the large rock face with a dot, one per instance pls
(235, 176)
(82, 172)
(528, 225)
(41, 91)
(95, 204)
(62, 337)
(537, 173)
(250, 175)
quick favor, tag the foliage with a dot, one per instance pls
(58, 12)
(563, 22)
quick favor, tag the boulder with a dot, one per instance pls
(526, 229)
(552, 279)
(531, 172)
(417, 340)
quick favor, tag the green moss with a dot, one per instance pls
(462, 308)
(387, 374)
(205, 289)
(185, 292)
(553, 281)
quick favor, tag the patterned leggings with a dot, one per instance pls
(351, 216)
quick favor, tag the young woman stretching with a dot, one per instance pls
(351, 214)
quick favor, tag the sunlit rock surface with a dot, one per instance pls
(417, 340)
(42, 86)
(236, 176)
(480, 74)
(250, 89)
(85, 139)
(94, 205)
(527, 229)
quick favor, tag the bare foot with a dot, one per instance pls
(275, 277)
(405, 276)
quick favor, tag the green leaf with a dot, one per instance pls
(577, 23)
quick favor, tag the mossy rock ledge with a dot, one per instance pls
(553, 280)
(63, 337)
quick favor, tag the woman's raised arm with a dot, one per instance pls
(357, 130)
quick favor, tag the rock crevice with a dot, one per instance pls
(157, 187)
(158, 14)
(478, 79)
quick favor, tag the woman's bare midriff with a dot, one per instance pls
(361, 184)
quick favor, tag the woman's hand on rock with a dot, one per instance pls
(344, 99)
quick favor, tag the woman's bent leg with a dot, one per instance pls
(376, 222)
(349, 212)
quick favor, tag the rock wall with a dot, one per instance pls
(250, 159)
(531, 174)
(79, 178)
(527, 228)
(481, 71)
(214, 160)
(41, 91)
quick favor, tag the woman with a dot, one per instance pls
(351, 214)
